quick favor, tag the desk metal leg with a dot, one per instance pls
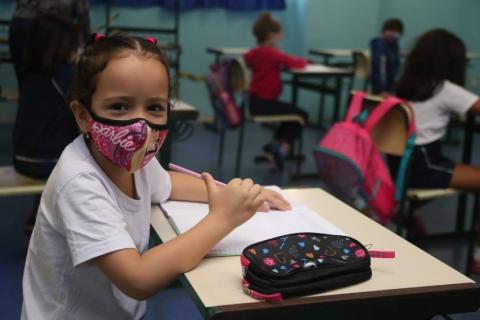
(221, 146)
(239, 149)
(321, 106)
(466, 158)
(472, 232)
(338, 91)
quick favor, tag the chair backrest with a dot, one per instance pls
(361, 64)
(390, 134)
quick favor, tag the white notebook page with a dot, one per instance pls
(263, 225)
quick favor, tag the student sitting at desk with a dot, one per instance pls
(266, 62)
(44, 123)
(433, 81)
(88, 256)
(385, 56)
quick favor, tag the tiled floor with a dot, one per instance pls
(198, 152)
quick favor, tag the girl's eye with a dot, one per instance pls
(156, 108)
(119, 107)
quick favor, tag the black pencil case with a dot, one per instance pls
(304, 263)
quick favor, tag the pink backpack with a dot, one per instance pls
(352, 167)
(221, 86)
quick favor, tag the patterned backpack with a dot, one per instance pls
(225, 78)
(353, 168)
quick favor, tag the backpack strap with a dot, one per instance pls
(377, 114)
(355, 106)
(382, 109)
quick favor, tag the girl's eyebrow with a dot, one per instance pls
(113, 98)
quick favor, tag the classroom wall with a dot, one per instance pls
(307, 23)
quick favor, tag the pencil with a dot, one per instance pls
(178, 168)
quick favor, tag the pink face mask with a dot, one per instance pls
(130, 144)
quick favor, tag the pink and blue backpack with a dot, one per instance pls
(352, 167)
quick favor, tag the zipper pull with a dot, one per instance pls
(381, 254)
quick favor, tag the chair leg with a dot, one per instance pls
(409, 220)
(472, 232)
(401, 217)
(239, 149)
(461, 207)
(222, 144)
(299, 154)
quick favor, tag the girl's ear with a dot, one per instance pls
(81, 115)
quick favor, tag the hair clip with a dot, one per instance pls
(151, 40)
(99, 37)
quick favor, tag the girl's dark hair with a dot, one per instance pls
(264, 26)
(54, 41)
(438, 55)
(99, 51)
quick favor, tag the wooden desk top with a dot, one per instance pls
(217, 281)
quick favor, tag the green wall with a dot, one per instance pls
(307, 23)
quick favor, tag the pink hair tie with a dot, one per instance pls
(151, 39)
(99, 37)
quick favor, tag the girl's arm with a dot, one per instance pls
(289, 61)
(142, 275)
(475, 107)
(187, 188)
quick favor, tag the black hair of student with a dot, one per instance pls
(264, 26)
(99, 51)
(53, 41)
(438, 55)
(394, 24)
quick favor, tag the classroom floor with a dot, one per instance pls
(199, 152)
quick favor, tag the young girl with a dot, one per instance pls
(266, 62)
(433, 81)
(88, 256)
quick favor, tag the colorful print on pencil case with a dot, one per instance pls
(304, 251)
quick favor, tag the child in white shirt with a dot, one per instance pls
(88, 256)
(433, 81)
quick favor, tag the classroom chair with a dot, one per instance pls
(239, 79)
(390, 136)
(361, 68)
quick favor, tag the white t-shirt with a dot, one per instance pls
(432, 115)
(83, 215)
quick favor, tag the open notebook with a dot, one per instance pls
(264, 225)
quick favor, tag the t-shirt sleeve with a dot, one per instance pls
(92, 223)
(457, 99)
(161, 182)
(289, 61)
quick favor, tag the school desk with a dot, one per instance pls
(181, 111)
(414, 285)
(218, 52)
(301, 77)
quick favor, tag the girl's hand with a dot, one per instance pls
(274, 200)
(236, 202)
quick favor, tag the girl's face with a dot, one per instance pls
(132, 87)
(276, 37)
